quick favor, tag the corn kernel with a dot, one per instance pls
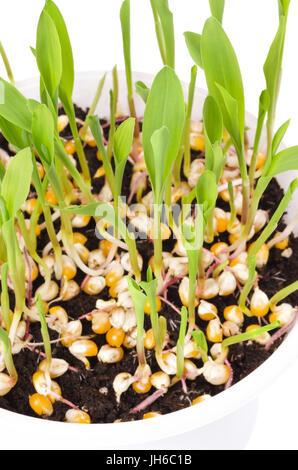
(80, 221)
(261, 256)
(233, 313)
(149, 341)
(218, 249)
(214, 331)
(101, 323)
(94, 285)
(105, 246)
(56, 389)
(115, 337)
(259, 304)
(109, 355)
(260, 160)
(200, 399)
(207, 311)
(63, 122)
(151, 414)
(79, 238)
(197, 142)
(147, 308)
(41, 405)
(50, 197)
(77, 417)
(281, 245)
(142, 386)
(99, 173)
(70, 147)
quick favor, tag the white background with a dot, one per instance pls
(95, 33)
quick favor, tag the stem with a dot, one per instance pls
(283, 293)
(158, 245)
(5, 307)
(94, 102)
(6, 64)
(79, 147)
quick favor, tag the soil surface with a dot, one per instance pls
(92, 390)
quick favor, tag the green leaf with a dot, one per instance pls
(180, 343)
(142, 90)
(123, 140)
(12, 133)
(284, 161)
(283, 7)
(165, 107)
(67, 78)
(213, 129)
(160, 143)
(49, 54)
(16, 182)
(14, 106)
(273, 66)
(44, 330)
(217, 8)
(125, 26)
(249, 335)
(43, 134)
(224, 78)
(206, 191)
(279, 135)
(193, 43)
(164, 25)
(201, 342)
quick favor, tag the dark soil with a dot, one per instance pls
(84, 388)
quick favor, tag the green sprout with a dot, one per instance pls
(44, 331)
(139, 300)
(8, 359)
(125, 26)
(249, 335)
(161, 140)
(201, 342)
(283, 293)
(164, 28)
(6, 64)
(5, 306)
(180, 343)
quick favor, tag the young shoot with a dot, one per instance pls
(180, 343)
(4, 300)
(255, 333)
(164, 28)
(125, 26)
(95, 102)
(158, 323)
(6, 64)
(7, 354)
(44, 332)
(139, 300)
(232, 205)
(201, 342)
(162, 134)
(283, 293)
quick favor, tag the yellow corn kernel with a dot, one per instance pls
(79, 238)
(82, 251)
(151, 414)
(218, 248)
(40, 169)
(165, 232)
(105, 246)
(234, 313)
(112, 278)
(147, 308)
(128, 342)
(214, 331)
(189, 367)
(94, 285)
(71, 333)
(68, 270)
(222, 224)
(281, 245)
(101, 323)
(63, 122)
(99, 173)
(41, 405)
(149, 341)
(197, 142)
(262, 255)
(260, 160)
(29, 205)
(98, 155)
(207, 311)
(80, 221)
(86, 136)
(115, 337)
(142, 386)
(70, 147)
(233, 237)
(259, 304)
(200, 399)
(50, 197)
(77, 417)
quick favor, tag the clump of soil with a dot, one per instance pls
(92, 390)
